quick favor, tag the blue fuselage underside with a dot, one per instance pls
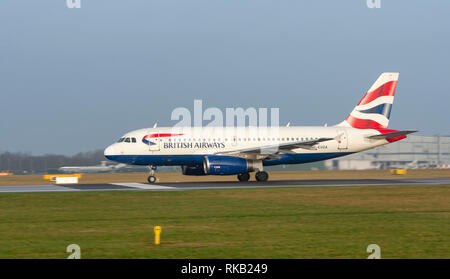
(178, 160)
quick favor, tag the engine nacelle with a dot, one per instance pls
(193, 170)
(226, 165)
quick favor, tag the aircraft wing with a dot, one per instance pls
(391, 135)
(271, 151)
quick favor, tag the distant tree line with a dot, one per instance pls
(25, 163)
(22, 162)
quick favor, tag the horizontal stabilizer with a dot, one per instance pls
(391, 135)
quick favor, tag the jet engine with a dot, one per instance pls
(227, 165)
(193, 170)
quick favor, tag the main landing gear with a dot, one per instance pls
(243, 177)
(261, 176)
(152, 178)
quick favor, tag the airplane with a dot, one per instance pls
(242, 150)
(86, 169)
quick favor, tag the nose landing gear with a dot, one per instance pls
(152, 178)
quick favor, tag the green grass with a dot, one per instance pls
(326, 222)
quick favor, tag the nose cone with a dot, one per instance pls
(110, 151)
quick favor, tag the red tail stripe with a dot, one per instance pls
(363, 123)
(387, 89)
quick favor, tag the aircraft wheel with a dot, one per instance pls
(262, 176)
(244, 177)
(151, 179)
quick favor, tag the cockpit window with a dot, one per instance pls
(124, 139)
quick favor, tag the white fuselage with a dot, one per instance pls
(169, 146)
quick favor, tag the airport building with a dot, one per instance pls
(413, 152)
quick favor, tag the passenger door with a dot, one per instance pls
(342, 139)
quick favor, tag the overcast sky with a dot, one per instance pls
(75, 80)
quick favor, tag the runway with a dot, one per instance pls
(183, 186)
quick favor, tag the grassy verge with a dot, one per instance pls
(405, 221)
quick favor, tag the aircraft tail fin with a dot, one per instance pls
(374, 109)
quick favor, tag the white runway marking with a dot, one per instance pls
(143, 186)
(34, 188)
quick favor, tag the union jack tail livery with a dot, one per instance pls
(374, 109)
